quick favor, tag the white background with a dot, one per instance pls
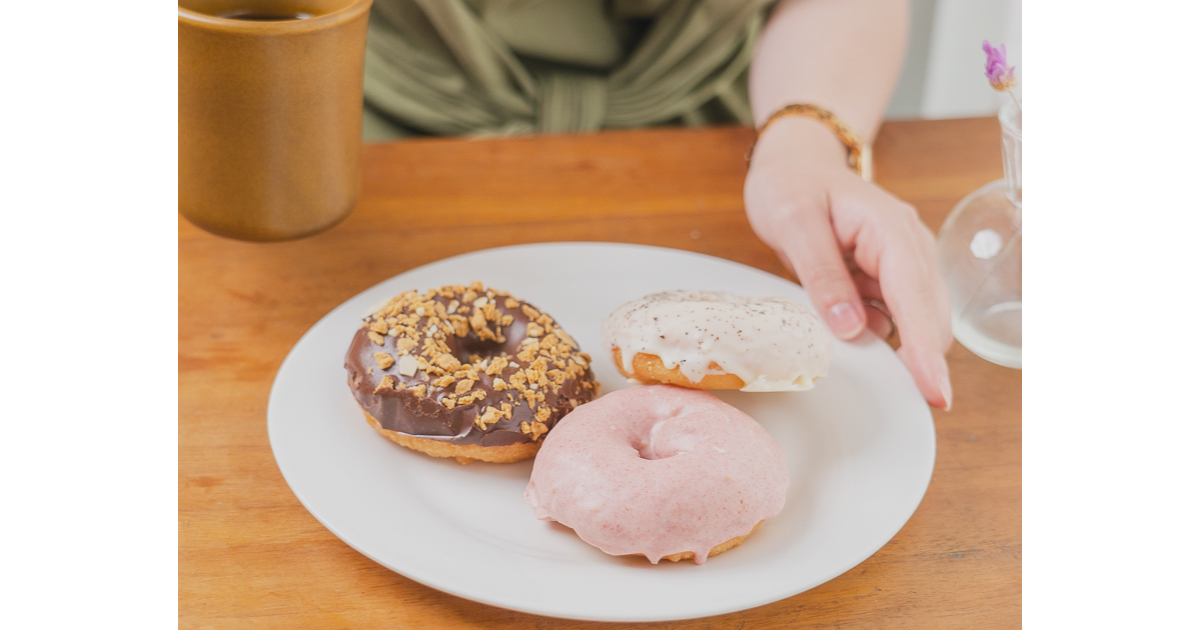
(88, 267)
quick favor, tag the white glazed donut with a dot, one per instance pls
(714, 340)
(660, 471)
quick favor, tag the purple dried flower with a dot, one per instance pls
(999, 73)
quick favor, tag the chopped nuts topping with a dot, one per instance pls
(536, 429)
(407, 365)
(532, 397)
(495, 367)
(566, 338)
(447, 362)
(426, 327)
(384, 360)
(388, 382)
(490, 416)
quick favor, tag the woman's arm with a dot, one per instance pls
(844, 55)
(803, 200)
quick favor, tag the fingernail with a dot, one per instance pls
(947, 393)
(845, 320)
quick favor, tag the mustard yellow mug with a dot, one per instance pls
(270, 114)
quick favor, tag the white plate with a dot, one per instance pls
(860, 451)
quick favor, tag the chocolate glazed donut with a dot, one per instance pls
(466, 372)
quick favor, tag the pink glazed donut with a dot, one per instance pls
(661, 471)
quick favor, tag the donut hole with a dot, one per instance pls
(650, 447)
(473, 349)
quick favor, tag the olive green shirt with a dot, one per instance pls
(503, 67)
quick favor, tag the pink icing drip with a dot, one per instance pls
(658, 470)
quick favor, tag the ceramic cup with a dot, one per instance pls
(270, 114)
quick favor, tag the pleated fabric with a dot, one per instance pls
(506, 67)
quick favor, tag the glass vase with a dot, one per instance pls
(979, 256)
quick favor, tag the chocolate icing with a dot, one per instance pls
(400, 409)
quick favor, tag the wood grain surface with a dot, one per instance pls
(250, 556)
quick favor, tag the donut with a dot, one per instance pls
(468, 372)
(715, 340)
(661, 471)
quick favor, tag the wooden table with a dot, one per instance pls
(250, 556)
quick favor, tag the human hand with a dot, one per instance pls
(818, 215)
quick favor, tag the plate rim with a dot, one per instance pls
(439, 584)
